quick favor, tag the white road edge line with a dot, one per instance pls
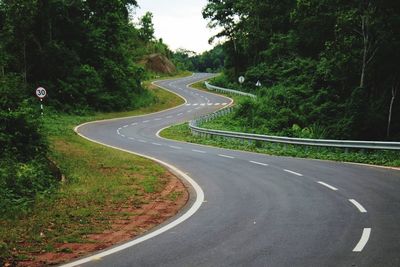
(358, 206)
(292, 172)
(363, 240)
(327, 185)
(259, 163)
(226, 156)
(196, 205)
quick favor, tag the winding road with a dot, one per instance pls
(257, 210)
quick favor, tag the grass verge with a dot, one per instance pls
(102, 186)
(182, 132)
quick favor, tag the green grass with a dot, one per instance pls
(182, 132)
(99, 181)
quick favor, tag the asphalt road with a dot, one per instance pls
(259, 210)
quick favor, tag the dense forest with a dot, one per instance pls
(211, 61)
(85, 54)
(327, 67)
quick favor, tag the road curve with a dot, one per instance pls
(258, 210)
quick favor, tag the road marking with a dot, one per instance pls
(189, 111)
(168, 117)
(363, 241)
(122, 135)
(188, 104)
(292, 172)
(195, 104)
(175, 147)
(198, 108)
(142, 141)
(145, 121)
(131, 138)
(157, 119)
(157, 144)
(179, 114)
(202, 104)
(216, 104)
(358, 206)
(125, 126)
(327, 185)
(133, 124)
(209, 104)
(226, 156)
(259, 163)
(118, 131)
(224, 104)
(198, 151)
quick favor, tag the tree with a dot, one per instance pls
(147, 27)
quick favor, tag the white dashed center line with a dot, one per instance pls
(258, 163)
(157, 144)
(157, 119)
(363, 241)
(198, 151)
(125, 126)
(145, 121)
(179, 114)
(226, 156)
(292, 172)
(168, 117)
(133, 124)
(327, 185)
(142, 141)
(358, 206)
(175, 147)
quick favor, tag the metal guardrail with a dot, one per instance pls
(229, 91)
(197, 130)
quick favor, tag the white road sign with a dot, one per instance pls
(258, 84)
(41, 92)
(241, 79)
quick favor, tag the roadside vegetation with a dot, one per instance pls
(99, 185)
(230, 122)
(327, 69)
(57, 189)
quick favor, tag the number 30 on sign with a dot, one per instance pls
(41, 92)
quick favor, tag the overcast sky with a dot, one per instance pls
(179, 23)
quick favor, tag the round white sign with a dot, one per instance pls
(41, 92)
(241, 79)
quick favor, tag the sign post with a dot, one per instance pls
(41, 93)
(241, 79)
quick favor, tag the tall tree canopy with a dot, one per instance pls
(336, 60)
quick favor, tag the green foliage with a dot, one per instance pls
(209, 61)
(80, 51)
(24, 168)
(324, 64)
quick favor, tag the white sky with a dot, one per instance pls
(179, 23)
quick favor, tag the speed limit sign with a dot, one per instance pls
(41, 92)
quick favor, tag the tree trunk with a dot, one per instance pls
(24, 55)
(365, 50)
(394, 91)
